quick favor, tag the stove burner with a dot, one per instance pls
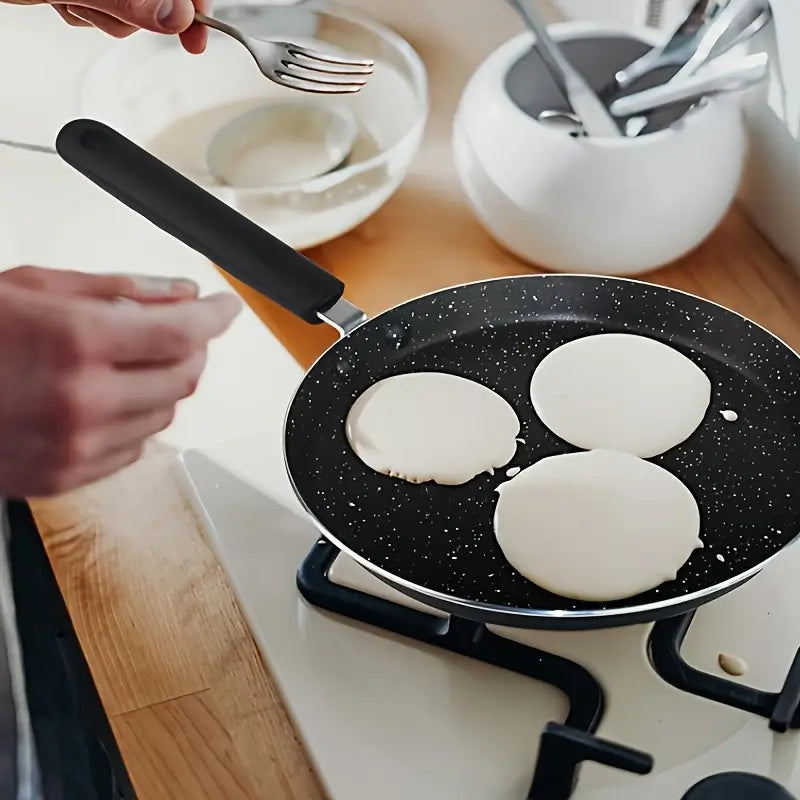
(562, 747)
(782, 709)
(737, 786)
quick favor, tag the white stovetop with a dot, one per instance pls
(381, 717)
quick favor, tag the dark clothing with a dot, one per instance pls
(76, 751)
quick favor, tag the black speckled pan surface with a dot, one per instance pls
(437, 542)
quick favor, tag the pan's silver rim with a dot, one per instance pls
(512, 611)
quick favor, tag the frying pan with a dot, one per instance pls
(436, 543)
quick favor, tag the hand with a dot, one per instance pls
(85, 380)
(120, 18)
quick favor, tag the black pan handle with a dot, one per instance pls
(189, 213)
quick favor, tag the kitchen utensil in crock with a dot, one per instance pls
(690, 37)
(674, 52)
(737, 22)
(690, 47)
(436, 543)
(566, 121)
(298, 67)
(732, 76)
(585, 103)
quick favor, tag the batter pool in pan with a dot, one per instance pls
(605, 524)
(432, 426)
(597, 526)
(619, 391)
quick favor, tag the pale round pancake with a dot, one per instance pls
(432, 426)
(619, 391)
(597, 526)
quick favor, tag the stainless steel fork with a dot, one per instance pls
(299, 67)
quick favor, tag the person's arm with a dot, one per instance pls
(85, 379)
(120, 18)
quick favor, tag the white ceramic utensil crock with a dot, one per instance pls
(616, 206)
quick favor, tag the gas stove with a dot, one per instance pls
(563, 748)
(394, 699)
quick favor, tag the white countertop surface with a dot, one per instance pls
(53, 216)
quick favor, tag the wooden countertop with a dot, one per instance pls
(193, 707)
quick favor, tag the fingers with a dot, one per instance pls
(37, 481)
(84, 403)
(141, 288)
(151, 331)
(147, 289)
(164, 333)
(71, 19)
(142, 391)
(102, 21)
(120, 18)
(89, 472)
(159, 16)
(195, 38)
(92, 380)
(102, 468)
(134, 430)
(104, 417)
(39, 471)
(125, 433)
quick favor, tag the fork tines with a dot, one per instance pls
(362, 65)
(313, 71)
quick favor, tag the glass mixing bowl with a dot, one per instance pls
(172, 103)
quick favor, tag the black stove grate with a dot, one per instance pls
(782, 709)
(563, 747)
